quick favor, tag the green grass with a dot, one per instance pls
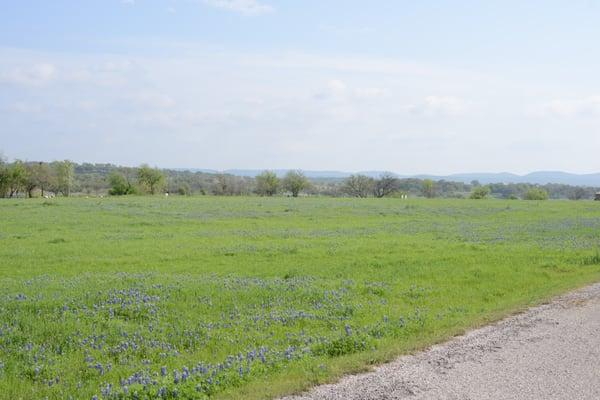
(259, 297)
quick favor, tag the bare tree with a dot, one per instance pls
(358, 185)
(385, 185)
(578, 194)
(222, 185)
(230, 185)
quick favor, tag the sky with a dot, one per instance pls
(406, 86)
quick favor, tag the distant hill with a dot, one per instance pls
(280, 172)
(538, 177)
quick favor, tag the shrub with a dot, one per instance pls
(536, 194)
(594, 259)
(480, 192)
(341, 346)
(119, 185)
(184, 190)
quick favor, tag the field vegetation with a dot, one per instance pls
(249, 297)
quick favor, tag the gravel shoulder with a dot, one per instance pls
(548, 352)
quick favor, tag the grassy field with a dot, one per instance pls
(256, 297)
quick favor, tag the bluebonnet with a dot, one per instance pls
(107, 390)
(348, 330)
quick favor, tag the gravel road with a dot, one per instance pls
(548, 352)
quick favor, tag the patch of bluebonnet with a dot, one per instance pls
(133, 328)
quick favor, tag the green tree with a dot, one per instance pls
(65, 172)
(40, 176)
(4, 179)
(295, 182)
(536, 194)
(30, 179)
(17, 178)
(119, 184)
(428, 188)
(267, 183)
(150, 178)
(480, 192)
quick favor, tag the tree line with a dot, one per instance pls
(387, 184)
(25, 177)
(29, 179)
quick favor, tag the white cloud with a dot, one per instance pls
(35, 75)
(337, 86)
(150, 99)
(346, 31)
(433, 106)
(370, 92)
(382, 66)
(246, 7)
(336, 89)
(570, 108)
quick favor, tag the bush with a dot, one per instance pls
(593, 259)
(119, 185)
(184, 190)
(536, 194)
(480, 192)
(341, 346)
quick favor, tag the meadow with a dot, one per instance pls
(248, 297)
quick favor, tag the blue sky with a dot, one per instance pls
(411, 87)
